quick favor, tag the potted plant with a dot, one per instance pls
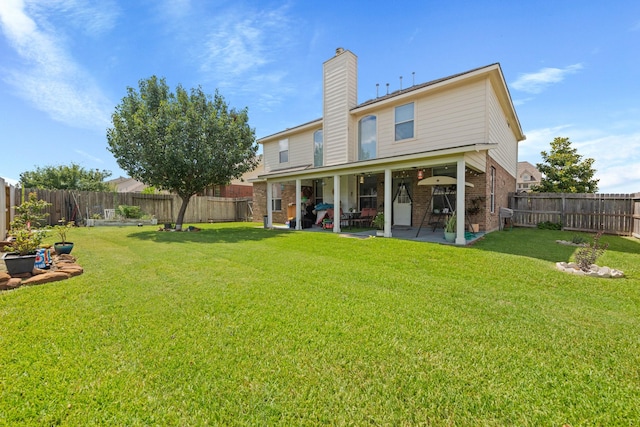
(26, 239)
(21, 257)
(378, 223)
(63, 246)
(475, 207)
(450, 228)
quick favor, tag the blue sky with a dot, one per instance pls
(572, 67)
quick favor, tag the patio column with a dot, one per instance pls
(336, 203)
(269, 204)
(298, 203)
(387, 202)
(460, 209)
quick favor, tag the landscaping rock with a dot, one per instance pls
(72, 269)
(12, 283)
(4, 276)
(568, 243)
(594, 270)
(52, 276)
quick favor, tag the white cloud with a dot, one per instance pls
(89, 156)
(242, 41)
(51, 80)
(240, 51)
(539, 81)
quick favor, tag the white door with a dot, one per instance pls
(402, 206)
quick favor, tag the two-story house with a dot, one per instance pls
(377, 153)
(528, 176)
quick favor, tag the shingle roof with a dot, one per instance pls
(420, 86)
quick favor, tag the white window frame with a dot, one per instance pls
(318, 160)
(412, 121)
(283, 150)
(276, 197)
(375, 121)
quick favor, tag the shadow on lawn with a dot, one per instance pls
(208, 234)
(541, 244)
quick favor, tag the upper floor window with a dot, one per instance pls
(404, 122)
(367, 138)
(283, 146)
(318, 155)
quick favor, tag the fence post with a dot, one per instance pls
(562, 211)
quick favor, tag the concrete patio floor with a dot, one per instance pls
(426, 234)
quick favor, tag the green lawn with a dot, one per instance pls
(236, 325)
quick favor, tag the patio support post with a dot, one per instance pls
(387, 202)
(460, 208)
(269, 204)
(298, 204)
(336, 203)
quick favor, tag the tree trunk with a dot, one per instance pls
(183, 209)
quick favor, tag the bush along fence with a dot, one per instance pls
(610, 213)
(79, 206)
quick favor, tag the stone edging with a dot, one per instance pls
(594, 270)
(568, 243)
(63, 267)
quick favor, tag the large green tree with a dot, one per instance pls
(182, 142)
(564, 171)
(65, 177)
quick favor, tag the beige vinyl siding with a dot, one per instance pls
(300, 151)
(271, 156)
(500, 132)
(340, 95)
(301, 148)
(476, 160)
(442, 120)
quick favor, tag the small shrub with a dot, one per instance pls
(578, 239)
(588, 255)
(548, 225)
(133, 212)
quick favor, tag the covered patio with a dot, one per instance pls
(343, 185)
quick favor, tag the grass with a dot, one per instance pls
(236, 325)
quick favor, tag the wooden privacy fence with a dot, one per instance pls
(611, 213)
(80, 205)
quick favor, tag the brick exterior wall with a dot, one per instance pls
(505, 184)
(260, 202)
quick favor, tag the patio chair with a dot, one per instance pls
(366, 217)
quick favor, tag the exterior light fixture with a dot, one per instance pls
(361, 179)
(420, 174)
